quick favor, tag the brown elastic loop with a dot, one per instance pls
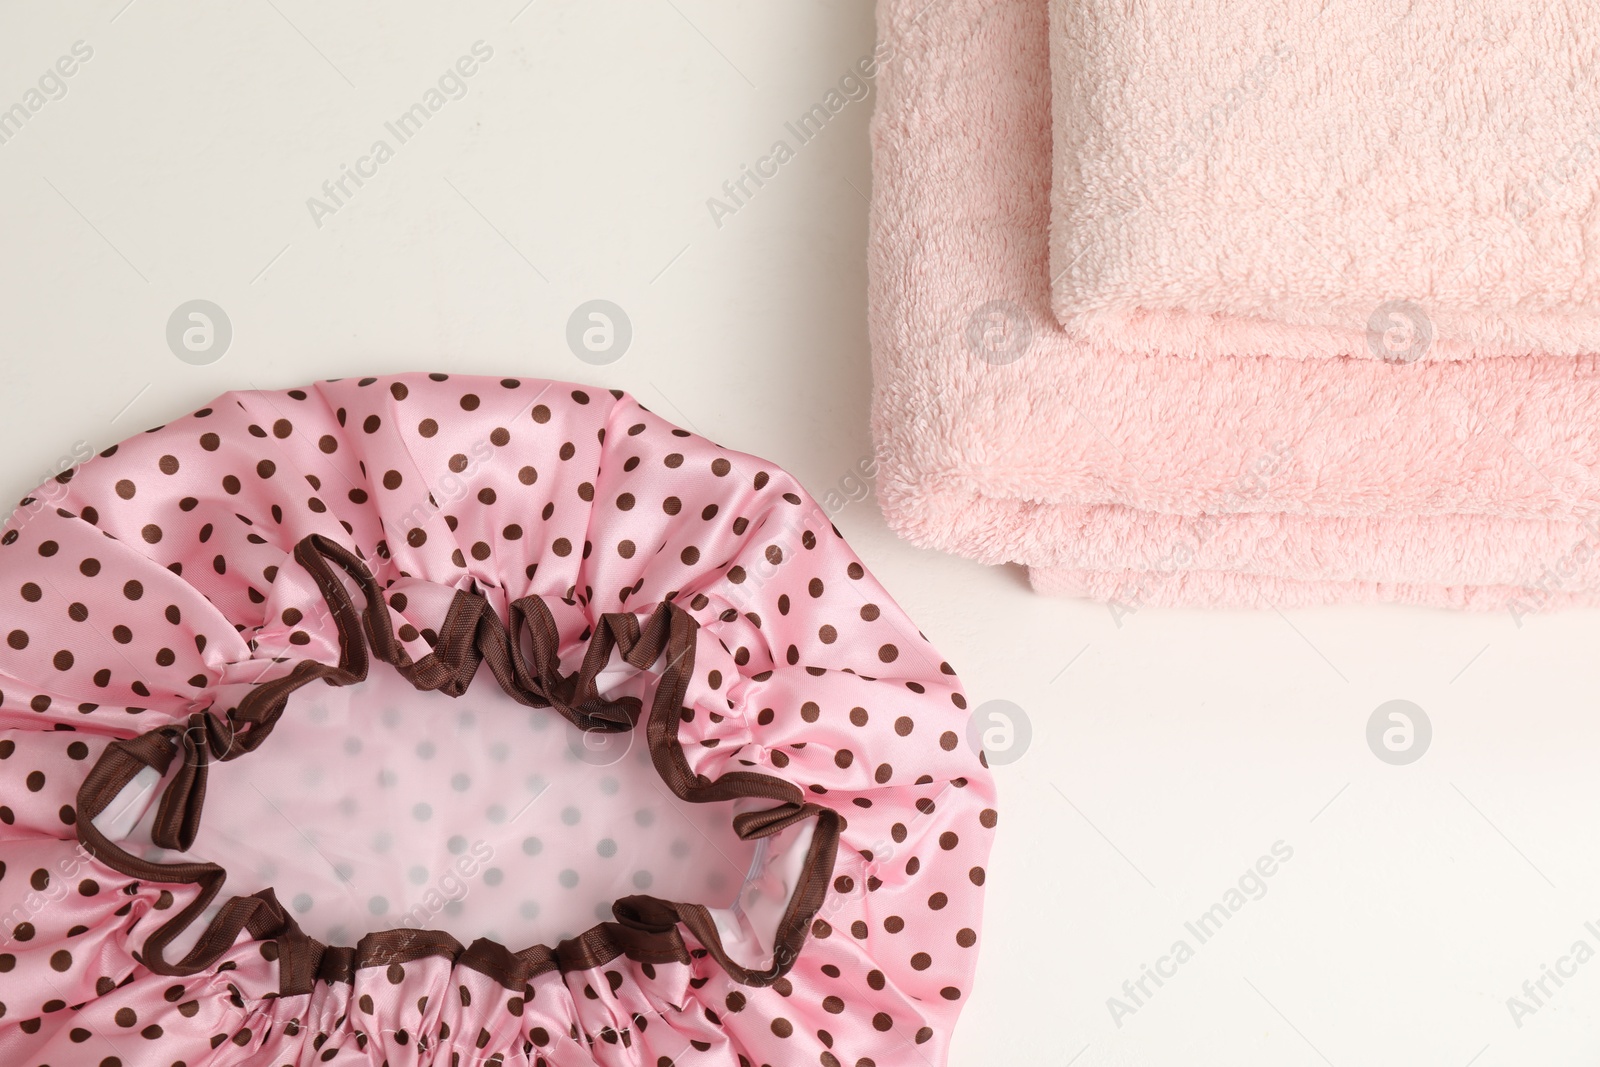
(652, 913)
(647, 928)
(753, 824)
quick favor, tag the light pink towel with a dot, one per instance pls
(1269, 177)
(1442, 482)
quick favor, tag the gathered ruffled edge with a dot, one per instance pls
(646, 928)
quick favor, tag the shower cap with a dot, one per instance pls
(520, 725)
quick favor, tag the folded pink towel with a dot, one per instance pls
(1409, 180)
(1156, 479)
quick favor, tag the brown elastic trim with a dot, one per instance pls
(646, 929)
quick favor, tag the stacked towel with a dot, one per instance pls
(1259, 177)
(1139, 472)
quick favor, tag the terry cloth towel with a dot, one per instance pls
(1161, 479)
(1270, 177)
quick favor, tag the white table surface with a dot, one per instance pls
(1168, 753)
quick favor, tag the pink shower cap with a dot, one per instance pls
(712, 777)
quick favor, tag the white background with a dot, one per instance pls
(1168, 752)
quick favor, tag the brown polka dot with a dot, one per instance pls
(126, 489)
(61, 961)
(843, 758)
(371, 424)
(882, 1023)
(17, 639)
(832, 1005)
(168, 464)
(328, 443)
(987, 818)
(89, 567)
(151, 533)
(133, 589)
(894, 924)
(63, 660)
(625, 549)
(858, 716)
(966, 937)
(903, 726)
(720, 467)
(690, 556)
(672, 505)
(809, 711)
(888, 653)
(470, 402)
(126, 1017)
(782, 1027)
(392, 480)
(921, 961)
(77, 612)
(948, 741)
(948, 840)
(815, 587)
(541, 414)
(561, 547)
(827, 634)
(527, 476)
(975, 876)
